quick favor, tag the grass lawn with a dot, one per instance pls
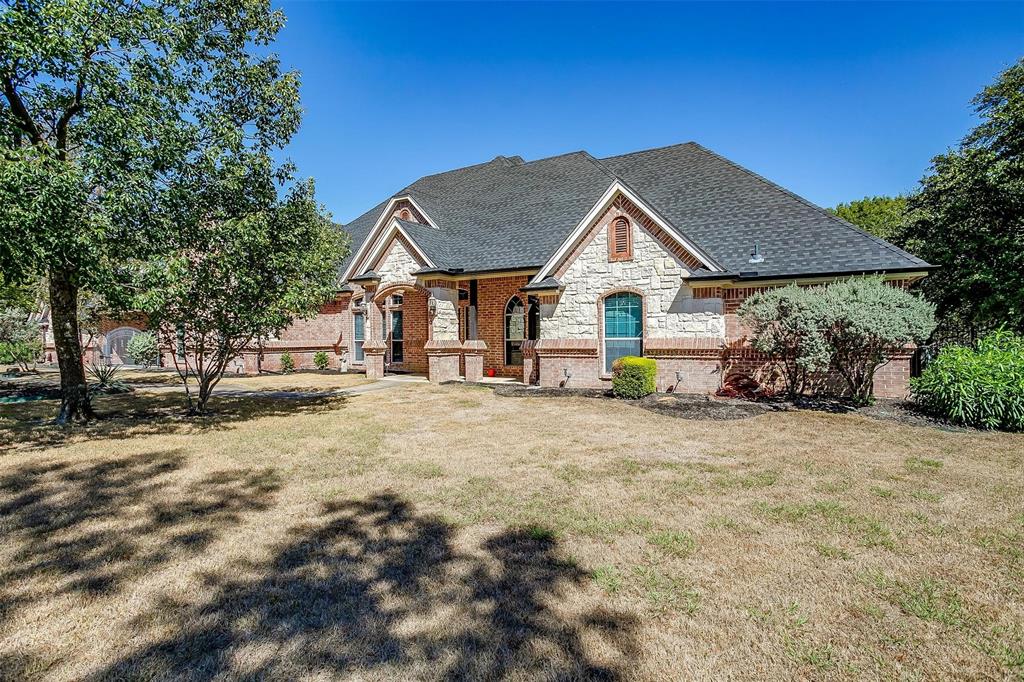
(447, 532)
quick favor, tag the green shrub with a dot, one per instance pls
(287, 363)
(320, 360)
(981, 386)
(143, 349)
(864, 320)
(106, 379)
(633, 377)
(21, 353)
(786, 325)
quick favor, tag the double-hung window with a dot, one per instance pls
(623, 327)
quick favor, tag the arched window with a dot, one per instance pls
(620, 240)
(405, 214)
(515, 331)
(623, 327)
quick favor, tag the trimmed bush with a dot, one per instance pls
(320, 360)
(786, 325)
(981, 386)
(287, 363)
(143, 349)
(633, 377)
(864, 320)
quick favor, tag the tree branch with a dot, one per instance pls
(71, 111)
(21, 113)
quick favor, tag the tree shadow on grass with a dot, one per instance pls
(373, 589)
(91, 528)
(29, 426)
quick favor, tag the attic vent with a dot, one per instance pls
(405, 214)
(620, 240)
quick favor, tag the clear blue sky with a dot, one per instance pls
(833, 101)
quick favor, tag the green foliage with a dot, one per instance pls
(786, 325)
(880, 216)
(968, 217)
(143, 349)
(981, 386)
(228, 283)
(633, 377)
(287, 363)
(20, 338)
(864, 320)
(320, 360)
(105, 375)
(851, 326)
(108, 110)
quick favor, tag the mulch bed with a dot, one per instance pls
(690, 406)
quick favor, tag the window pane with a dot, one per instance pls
(357, 337)
(396, 351)
(617, 348)
(396, 324)
(514, 353)
(623, 316)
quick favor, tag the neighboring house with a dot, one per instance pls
(548, 270)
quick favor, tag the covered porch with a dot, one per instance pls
(446, 329)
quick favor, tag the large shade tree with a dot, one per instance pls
(103, 104)
(968, 217)
(880, 215)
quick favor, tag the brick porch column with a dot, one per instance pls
(443, 360)
(530, 367)
(373, 350)
(474, 353)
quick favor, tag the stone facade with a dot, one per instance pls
(671, 309)
(397, 265)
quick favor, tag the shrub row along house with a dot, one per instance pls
(547, 271)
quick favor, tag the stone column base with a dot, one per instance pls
(474, 353)
(374, 354)
(443, 360)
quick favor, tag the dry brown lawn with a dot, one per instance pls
(447, 532)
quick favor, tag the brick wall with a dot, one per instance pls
(492, 296)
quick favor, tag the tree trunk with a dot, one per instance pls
(74, 394)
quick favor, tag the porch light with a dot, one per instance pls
(755, 256)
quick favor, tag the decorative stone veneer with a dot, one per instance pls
(445, 320)
(671, 309)
(397, 265)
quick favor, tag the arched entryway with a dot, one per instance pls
(403, 313)
(115, 345)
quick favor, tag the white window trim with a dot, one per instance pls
(380, 224)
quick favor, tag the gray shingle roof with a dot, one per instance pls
(507, 214)
(725, 208)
